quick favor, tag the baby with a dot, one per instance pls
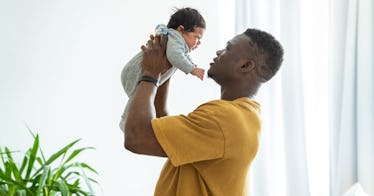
(184, 30)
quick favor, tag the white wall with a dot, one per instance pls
(60, 64)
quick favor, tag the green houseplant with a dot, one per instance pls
(37, 175)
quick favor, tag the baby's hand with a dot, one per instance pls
(198, 72)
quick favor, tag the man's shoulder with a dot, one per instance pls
(226, 103)
(218, 103)
(225, 107)
(215, 105)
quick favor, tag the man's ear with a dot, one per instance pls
(248, 66)
(180, 28)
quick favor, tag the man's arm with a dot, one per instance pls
(161, 99)
(139, 135)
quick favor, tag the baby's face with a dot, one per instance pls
(193, 38)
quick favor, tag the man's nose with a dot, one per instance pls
(219, 52)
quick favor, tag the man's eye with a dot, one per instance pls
(228, 47)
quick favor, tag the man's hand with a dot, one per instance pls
(154, 59)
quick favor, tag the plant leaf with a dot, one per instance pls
(76, 152)
(1, 155)
(85, 165)
(57, 155)
(8, 170)
(21, 193)
(11, 189)
(3, 191)
(59, 171)
(86, 180)
(39, 160)
(63, 187)
(8, 153)
(24, 162)
(15, 172)
(93, 180)
(33, 135)
(30, 131)
(9, 181)
(43, 178)
(76, 183)
(72, 175)
(33, 152)
(40, 177)
(60, 152)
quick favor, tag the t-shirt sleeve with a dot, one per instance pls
(191, 138)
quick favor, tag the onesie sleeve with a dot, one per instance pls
(177, 53)
(191, 138)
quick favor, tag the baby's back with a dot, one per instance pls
(131, 73)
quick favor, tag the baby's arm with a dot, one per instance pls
(177, 53)
(198, 72)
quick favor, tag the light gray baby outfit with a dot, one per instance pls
(177, 52)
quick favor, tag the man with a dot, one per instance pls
(211, 149)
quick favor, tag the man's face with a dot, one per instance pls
(222, 69)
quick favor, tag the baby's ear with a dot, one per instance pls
(180, 28)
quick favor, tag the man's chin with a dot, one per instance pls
(210, 76)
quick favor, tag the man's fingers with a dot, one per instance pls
(149, 43)
(152, 37)
(157, 39)
(164, 41)
(143, 48)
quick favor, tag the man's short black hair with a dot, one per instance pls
(188, 17)
(268, 47)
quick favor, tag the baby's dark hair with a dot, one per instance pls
(188, 17)
(270, 49)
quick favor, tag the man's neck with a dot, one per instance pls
(230, 94)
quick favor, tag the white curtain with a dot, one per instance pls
(351, 95)
(318, 113)
(281, 165)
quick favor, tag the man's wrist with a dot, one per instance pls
(153, 75)
(151, 79)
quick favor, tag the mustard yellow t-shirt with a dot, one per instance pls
(210, 150)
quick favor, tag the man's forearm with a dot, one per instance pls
(139, 135)
(141, 109)
(161, 99)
